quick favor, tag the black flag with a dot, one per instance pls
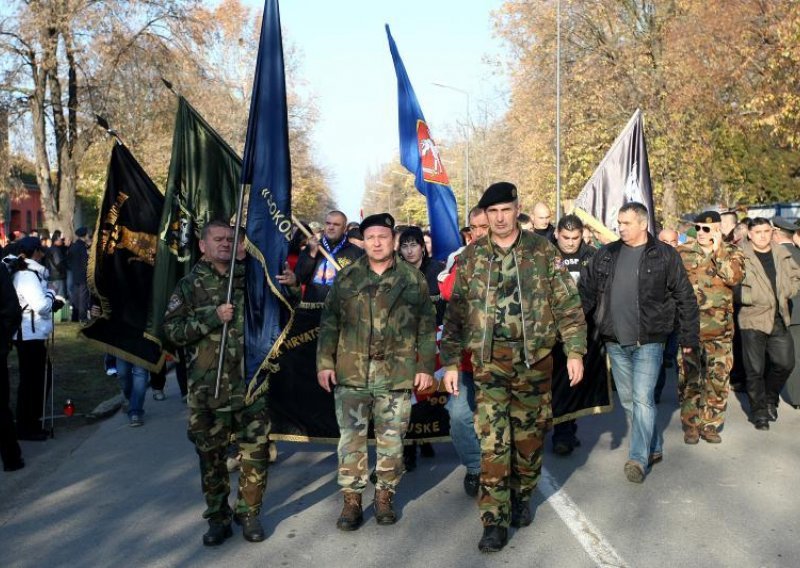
(121, 262)
(623, 176)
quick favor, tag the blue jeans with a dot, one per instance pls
(462, 424)
(635, 369)
(133, 379)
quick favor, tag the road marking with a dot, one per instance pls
(592, 541)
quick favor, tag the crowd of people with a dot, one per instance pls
(524, 300)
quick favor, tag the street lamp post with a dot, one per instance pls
(466, 152)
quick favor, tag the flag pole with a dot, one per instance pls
(321, 249)
(224, 340)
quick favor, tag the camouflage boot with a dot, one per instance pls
(352, 515)
(384, 511)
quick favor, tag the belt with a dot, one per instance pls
(377, 357)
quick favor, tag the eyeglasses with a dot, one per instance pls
(704, 228)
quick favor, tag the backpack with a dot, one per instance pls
(10, 310)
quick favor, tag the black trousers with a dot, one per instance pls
(159, 380)
(30, 396)
(9, 448)
(768, 361)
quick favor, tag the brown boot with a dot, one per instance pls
(691, 436)
(352, 515)
(384, 512)
(710, 435)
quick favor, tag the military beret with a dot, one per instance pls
(81, 232)
(377, 220)
(29, 245)
(784, 224)
(708, 217)
(500, 192)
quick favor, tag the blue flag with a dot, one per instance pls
(266, 168)
(420, 155)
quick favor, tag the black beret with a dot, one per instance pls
(500, 192)
(377, 220)
(81, 232)
(784, 224)
(708, 217)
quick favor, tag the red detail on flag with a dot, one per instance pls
(432, 166)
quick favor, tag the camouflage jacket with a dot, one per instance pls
(551, 306)
(713, 277)
(408, 328)
(191, 321)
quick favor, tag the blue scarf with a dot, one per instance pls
(326, 271)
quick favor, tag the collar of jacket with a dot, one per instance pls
(494, 246)
(395, 278)
(206, 266)
(651, 243)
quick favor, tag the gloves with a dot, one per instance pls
(58, 303)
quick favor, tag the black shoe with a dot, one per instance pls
(472, 483)
(410, 457)
(762, 424)
(218, 532)
(772, 412)
(35, 436)
(426, 450)
(520, 512)
(251, 527)
(14, 466)
(494, 539)
(562, 448)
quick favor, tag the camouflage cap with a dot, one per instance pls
(500, 192)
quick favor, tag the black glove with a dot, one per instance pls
(58, 303)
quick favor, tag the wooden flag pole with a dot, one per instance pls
(595, 225)
(321, 249)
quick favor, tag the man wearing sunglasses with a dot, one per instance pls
(714, 268)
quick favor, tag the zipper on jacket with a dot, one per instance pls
(521, 311)
(486, 306)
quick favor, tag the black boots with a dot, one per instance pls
(218, 532)
(252, 530)
(494, 539)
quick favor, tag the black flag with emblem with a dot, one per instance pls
(121, 262)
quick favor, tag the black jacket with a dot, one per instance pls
(666, 297)
(307, 268)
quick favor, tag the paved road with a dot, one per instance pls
(111, 495)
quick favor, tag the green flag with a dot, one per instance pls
(202, 185)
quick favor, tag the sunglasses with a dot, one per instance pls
(704, 228)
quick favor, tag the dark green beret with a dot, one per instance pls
(500, 192)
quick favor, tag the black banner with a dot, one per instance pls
(301, 411)
(121, 262)
(593, 394)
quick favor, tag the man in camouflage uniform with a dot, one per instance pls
(511, 298)
(376, 342)
(714, 267)
(194, 320)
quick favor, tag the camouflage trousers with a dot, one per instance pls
(703, 384)
(513, 416)
(390, 411)
(211, 432)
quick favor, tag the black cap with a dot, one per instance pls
(81, 232)
(500, 192)
(708, 217)
(377, 220)
(784, 224)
